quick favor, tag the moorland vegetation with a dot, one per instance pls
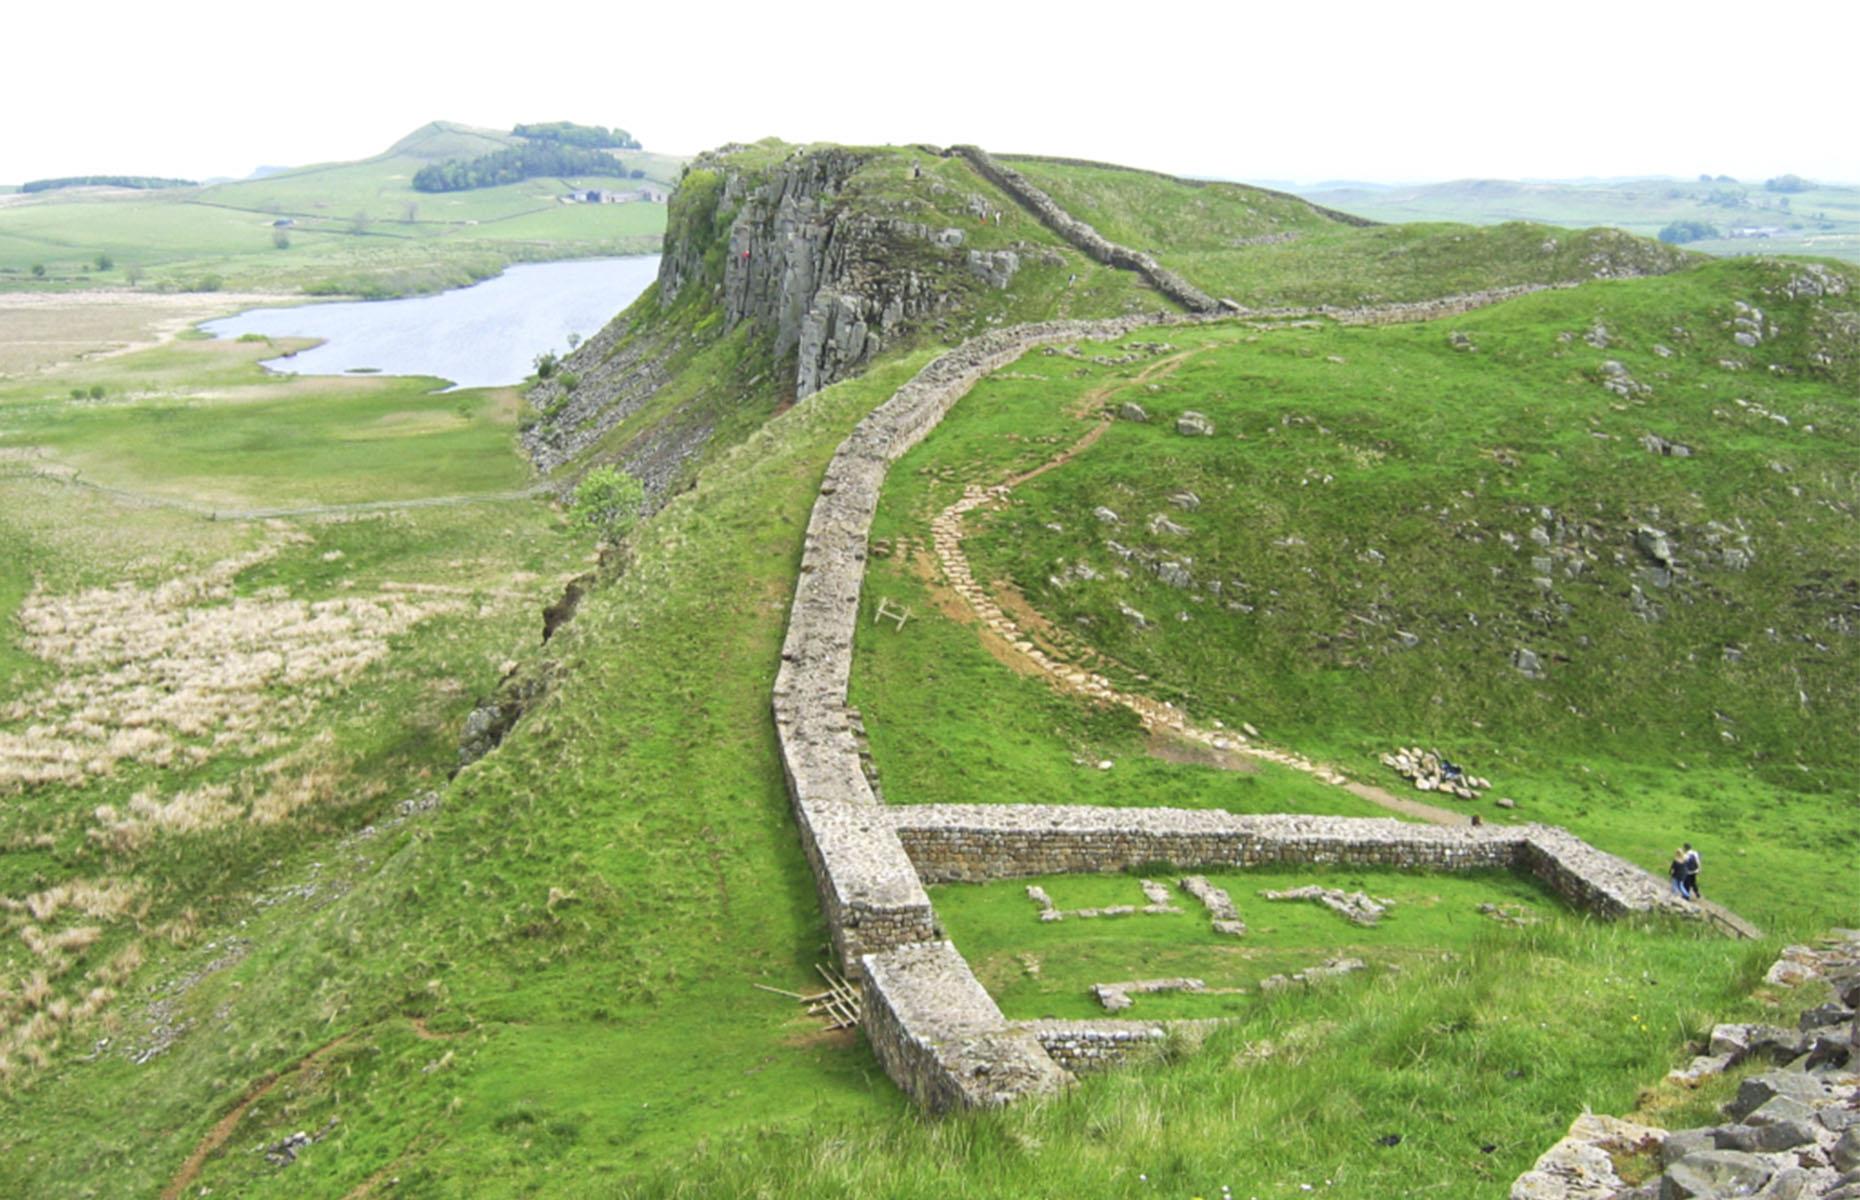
(537, 976)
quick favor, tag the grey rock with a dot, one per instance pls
(1823, 1015)
(1655, 444)
(1745, 339)
(1714, 1175)
(1161, 524)
(1527, 663)
(1186, 500)
(1683, 1142)
(1759, 1090)
(1778, 1109)
(1794, 1183)
(996, 268)
(1765, 1139)
(1194, 424)
(1654, 544)
(1176, 576)
(1111, 518)
(1839, 1119)
(1846, 1153)
(1129, 410)
(948, 237)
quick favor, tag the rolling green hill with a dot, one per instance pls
(539, 976)
(350, 228)
(1747, 217)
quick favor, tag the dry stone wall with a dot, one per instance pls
(972, 843)
(934, 1027)
(1087, 239)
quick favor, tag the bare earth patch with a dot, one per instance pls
(43, 330)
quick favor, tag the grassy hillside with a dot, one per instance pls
(1822, 219)
(1387, 517)
(356, 228)
(538, 978)
(1266, 249)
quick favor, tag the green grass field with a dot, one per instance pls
(355, 227)
(543, 983)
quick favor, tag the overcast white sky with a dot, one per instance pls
(1289, 90)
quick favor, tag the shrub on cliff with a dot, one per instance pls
(610, 500)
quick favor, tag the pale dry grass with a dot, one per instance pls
(171, 674)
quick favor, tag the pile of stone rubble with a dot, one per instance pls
(1224, 917)
(1156, 893)
(1428, 770)
(1792, 1132)
(1359, 908)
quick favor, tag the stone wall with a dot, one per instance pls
(868, 888)
(930, 1022)
(1081, 1046)
(972, 843)
(940, 1035)
(1087, 239)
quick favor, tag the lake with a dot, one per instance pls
(486, 335)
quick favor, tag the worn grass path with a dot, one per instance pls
(1037, 654)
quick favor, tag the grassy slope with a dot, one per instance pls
(1208, 232)
(1822, 220)
(585, 934)
(199, 421)
(1625, 739)
(357, 227)
(590, 905)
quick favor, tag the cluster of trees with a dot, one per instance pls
(1787, 183)
(512, 166)
(122, 181)
(1680, 232)
(588, 137)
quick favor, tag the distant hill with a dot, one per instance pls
(437, 141)
(1743, 217)
(336, 228)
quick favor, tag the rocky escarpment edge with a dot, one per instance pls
(1087, 239)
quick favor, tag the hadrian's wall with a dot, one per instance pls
(971, 843)
(938, 1033)
(1087, 239)
(868, 889)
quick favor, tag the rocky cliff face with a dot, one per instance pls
(830, 282)
(784, 253)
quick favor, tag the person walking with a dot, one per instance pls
(1692, 870)
(1677, 872)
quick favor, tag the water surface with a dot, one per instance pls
(486, 335)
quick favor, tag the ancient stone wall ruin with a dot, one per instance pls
(930, 1022)
(1087, 239)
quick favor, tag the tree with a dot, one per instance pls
(360, 222)
(281, 238)
(105, 262)
(132, 274)
(609, 500)
(410, 211)
(574, 339)
(38, 270)
(545, 364)
(1680, 232)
